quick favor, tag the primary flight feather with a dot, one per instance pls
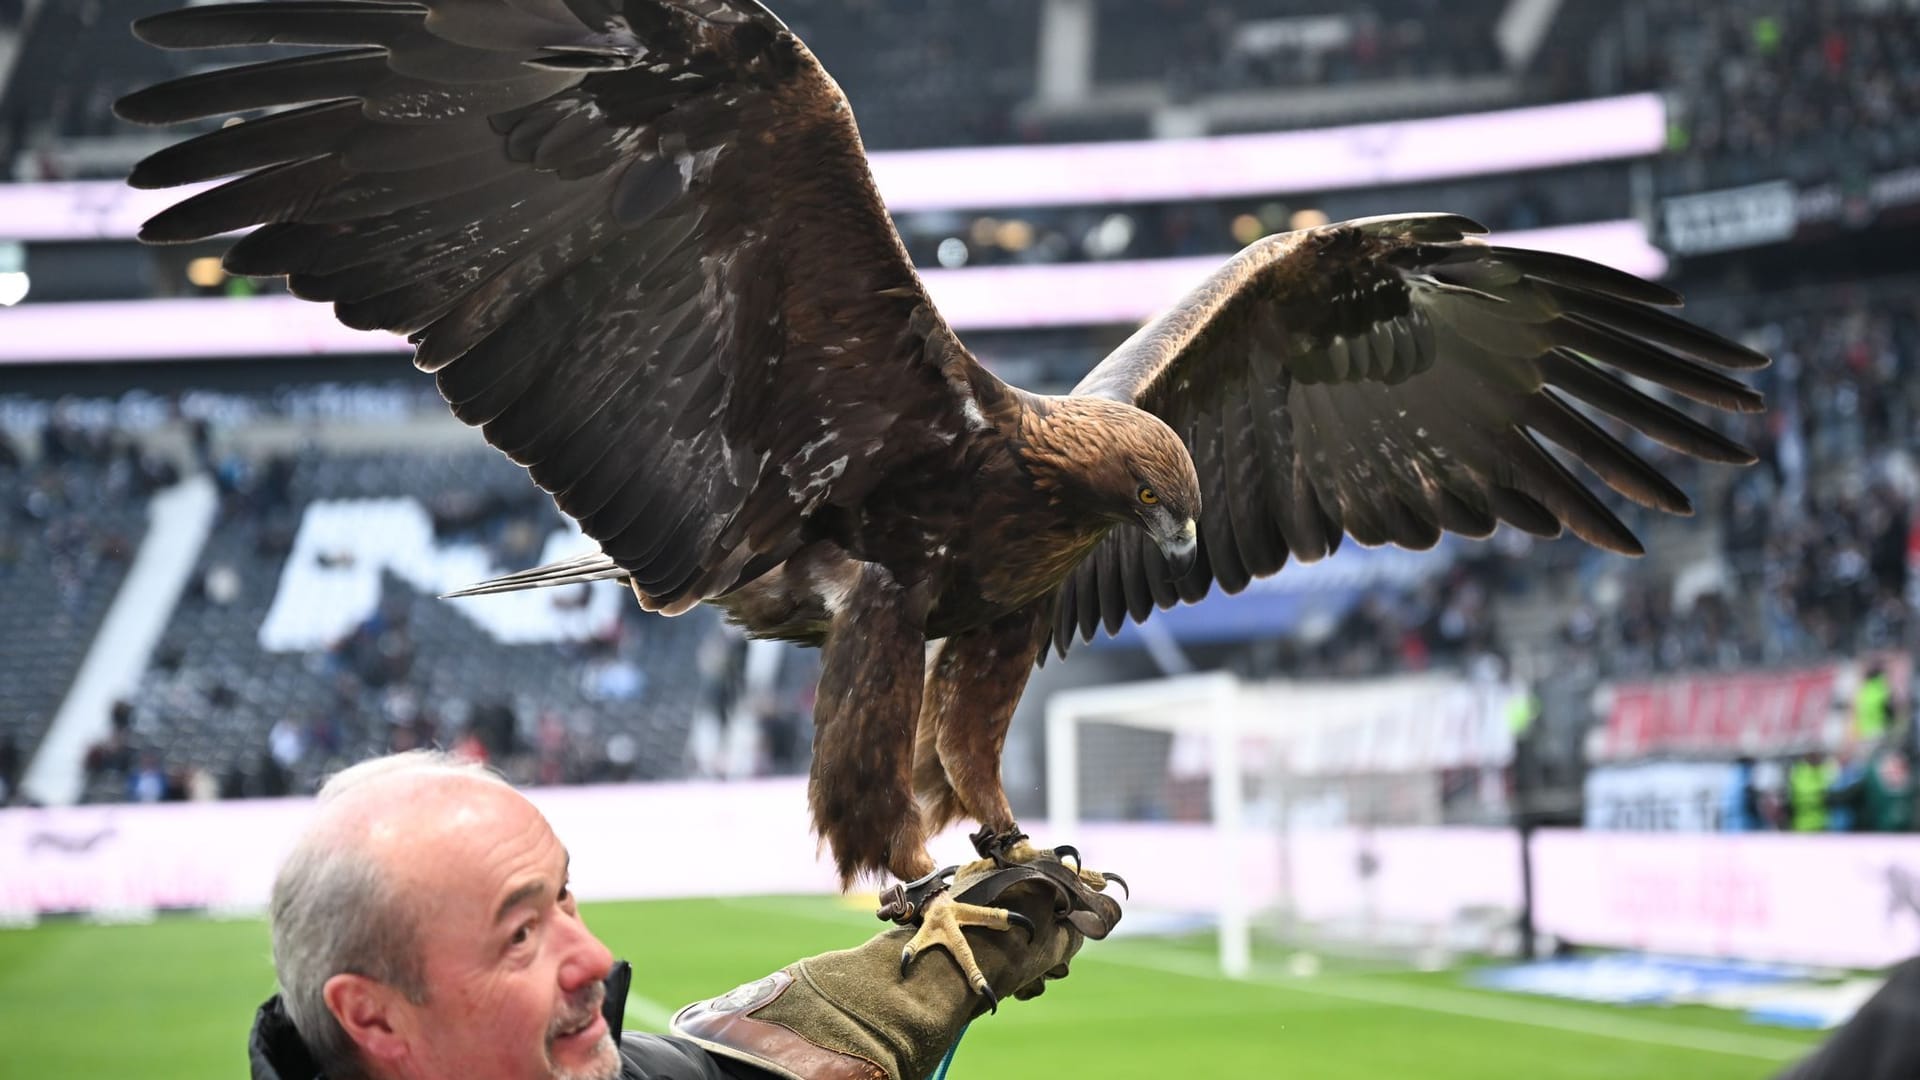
(637, 243)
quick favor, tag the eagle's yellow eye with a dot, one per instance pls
(1147, 496)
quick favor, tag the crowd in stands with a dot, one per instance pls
(1751, 77)
(1207, 46)
(1812, 548)
(1823, 91)
(71, 516)
(1764, 87)
(1449, 621)
(1864, 783)
(1814, 540)
(216, 713)
(1811, 562)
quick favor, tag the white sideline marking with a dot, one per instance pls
(1502, 1009)
(648, 1014)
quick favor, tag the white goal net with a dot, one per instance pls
(1296, 816)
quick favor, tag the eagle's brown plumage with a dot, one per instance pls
(637, 243)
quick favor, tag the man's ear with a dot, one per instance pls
(366, 1009)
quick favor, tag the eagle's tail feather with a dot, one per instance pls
(592, 567)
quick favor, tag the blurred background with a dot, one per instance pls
(1509, 806)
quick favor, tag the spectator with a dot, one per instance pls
(1809, 780)
(1873, 709)
(1879, 796)
(148, 781)
(286, 742)
(10, 767)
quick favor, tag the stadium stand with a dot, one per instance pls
(952, 75)
(1799, 560)
(413, 671)
(1766, 88)
(1280, 43)
(69, 525)
(1811, 559)
(1802, 560)
(921, 73)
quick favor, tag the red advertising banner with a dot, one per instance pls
(1758, 712)
(1721, 713)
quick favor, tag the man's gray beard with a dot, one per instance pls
(606, 1070)
(589, 1006)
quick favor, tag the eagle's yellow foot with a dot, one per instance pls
(1013, 847)
(941, 922)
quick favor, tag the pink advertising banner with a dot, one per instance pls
(1428, 877)
(627, 842)
(1080, 174)
(658, 841)
(1849, 901)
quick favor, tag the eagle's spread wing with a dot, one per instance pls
(1390, 378)
(637, 242)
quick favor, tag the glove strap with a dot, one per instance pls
(725, 1026)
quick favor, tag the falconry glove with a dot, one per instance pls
(855, 1015)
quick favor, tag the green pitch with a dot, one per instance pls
(172, 1000)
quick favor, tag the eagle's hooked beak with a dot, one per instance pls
(1179, 547)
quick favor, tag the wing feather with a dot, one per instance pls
(1392, 379)
(626, 238)
(254, 144)
(1133, 581)
(1665, 425)
(1262, 548)
(1216, 509)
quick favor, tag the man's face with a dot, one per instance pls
(514, 978)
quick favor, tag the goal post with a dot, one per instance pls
(1298, 814)
(1206, 704)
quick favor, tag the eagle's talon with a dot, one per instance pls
(980, 987)
(1023, 923)
(942, 921)
(1017, 852)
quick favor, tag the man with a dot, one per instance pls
(423, 929)
(1877, 793)
(1808, 782)
(1880, 1042)
(1873, 711)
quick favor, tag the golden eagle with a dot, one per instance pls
(637, 243)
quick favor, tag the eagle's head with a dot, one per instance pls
(1125, 465)
(1160, 491)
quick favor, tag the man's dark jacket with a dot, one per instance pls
(276, 1051)
(1881, 1042)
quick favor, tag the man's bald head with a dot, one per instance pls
(393, 808)
(341, 904)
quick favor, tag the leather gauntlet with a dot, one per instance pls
(854, 1015)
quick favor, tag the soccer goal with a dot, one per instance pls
(1299, 816)
(1119, 758)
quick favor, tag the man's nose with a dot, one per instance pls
(586, 960)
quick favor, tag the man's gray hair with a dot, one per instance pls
(335, 912)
